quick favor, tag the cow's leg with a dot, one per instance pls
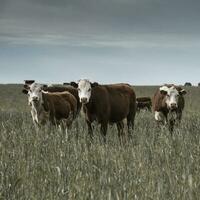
(120, 128)
(104, 127)
(179, 116)
(69, 120)
(172, 118)
(64, 127)
(36, 125)
(35, 119)
(161, 121)
(76, 127)
(171, 125)
(90, 131)
(130, 124)
(159, 117)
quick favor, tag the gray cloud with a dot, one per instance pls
(129, 23)
(114, 17)
(112, 33)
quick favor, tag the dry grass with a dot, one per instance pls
(47, 165)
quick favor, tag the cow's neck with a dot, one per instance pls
(45, 102)
(89, 105)
(86, 106)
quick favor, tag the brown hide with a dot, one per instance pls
(59, 105)
(69, 89)
(111, 104)
(143, 103)
(158, 103)
(143, 99)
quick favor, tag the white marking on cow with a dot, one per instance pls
(84, 90)
(35, 94)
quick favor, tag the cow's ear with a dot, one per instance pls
(29, 82)
(25, 91)
(66, 83)
(27, 87)
(44, 87)
(95, 84)
(182, 92)
(74, 84)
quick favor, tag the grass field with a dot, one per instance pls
(47, 165)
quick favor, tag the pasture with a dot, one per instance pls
(47, 165)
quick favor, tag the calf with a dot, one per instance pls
(168, 104)
(57, 108)
(69, 89)
(107, 104)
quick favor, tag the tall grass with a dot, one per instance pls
(48, 165)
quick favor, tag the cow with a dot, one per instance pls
(69, 89)
(143, 103)
(107, 104)
(188, 84)
(168, 104)
(53, 88)
(58, 108)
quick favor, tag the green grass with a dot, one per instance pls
(47, 165)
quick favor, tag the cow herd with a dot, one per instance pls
(105, 104)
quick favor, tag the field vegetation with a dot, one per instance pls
(49, 165)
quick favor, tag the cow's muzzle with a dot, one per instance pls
(35, 99)
(84, 100)
(173, 106)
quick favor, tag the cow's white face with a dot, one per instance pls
(84, 90)
(35, 94)
(171, 98)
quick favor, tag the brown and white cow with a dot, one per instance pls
(53, 88)
(58, 108)
(143, 103)
(168, 104)
(107, 104)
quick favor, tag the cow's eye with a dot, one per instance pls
(89, 89)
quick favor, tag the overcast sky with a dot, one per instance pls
(135, 41)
